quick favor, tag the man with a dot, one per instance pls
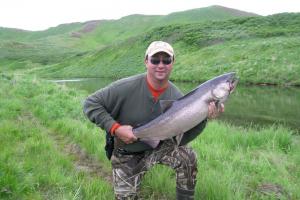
(134, 101)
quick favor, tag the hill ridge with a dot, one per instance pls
(136, 14)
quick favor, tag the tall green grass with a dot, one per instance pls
(31, 164)
(238, 161)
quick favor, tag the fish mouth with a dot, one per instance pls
(233, 83)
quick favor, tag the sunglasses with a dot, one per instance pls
(164, 60)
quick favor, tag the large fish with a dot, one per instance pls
(181, 115)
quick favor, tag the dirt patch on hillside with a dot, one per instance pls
(87, 28)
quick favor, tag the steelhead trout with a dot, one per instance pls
(181, 115)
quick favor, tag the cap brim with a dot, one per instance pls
(160, 50)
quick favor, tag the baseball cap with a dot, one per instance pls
(159, 46)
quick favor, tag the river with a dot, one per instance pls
(255, 106)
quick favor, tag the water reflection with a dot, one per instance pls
(252, 105)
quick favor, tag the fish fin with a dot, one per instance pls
(166, 104)
(152, 143)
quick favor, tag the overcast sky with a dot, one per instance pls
(42, 14)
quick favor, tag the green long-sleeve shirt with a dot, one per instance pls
(127, 101)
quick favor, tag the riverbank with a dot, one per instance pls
(234, 163)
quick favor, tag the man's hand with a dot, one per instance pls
(214, 111)
(125, 134)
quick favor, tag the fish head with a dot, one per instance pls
(221, 91)
(224, 87)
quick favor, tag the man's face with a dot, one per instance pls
(159, 66)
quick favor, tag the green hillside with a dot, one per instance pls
(136, 24)
(39, 47)
(253, 47)
(12, 34)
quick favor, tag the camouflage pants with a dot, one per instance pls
(128, 170)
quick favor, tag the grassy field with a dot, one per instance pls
(40, 120)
